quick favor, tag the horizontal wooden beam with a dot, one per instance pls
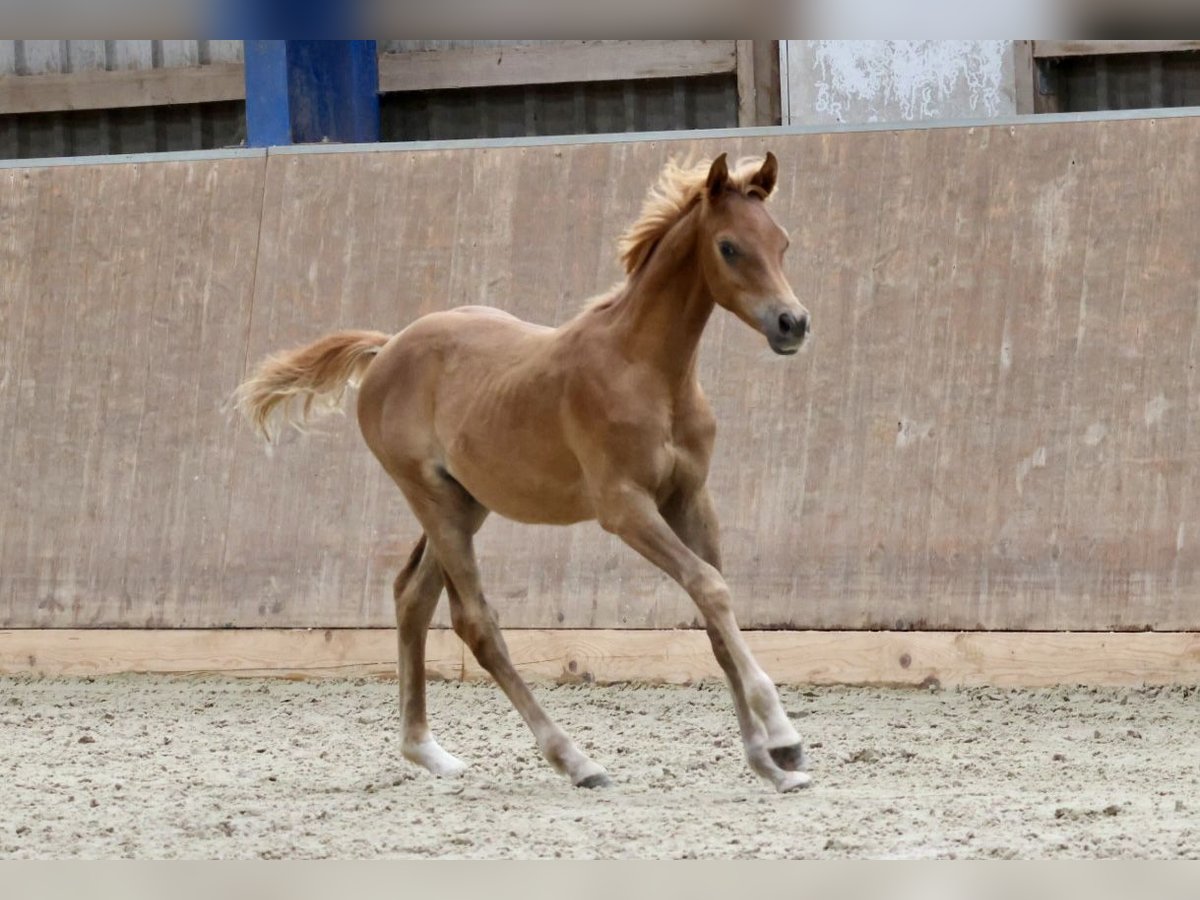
(419, 70)
(120, 89)
(1053, 49)
(1008, 659)
(555, 63)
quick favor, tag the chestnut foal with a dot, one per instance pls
(474, 411)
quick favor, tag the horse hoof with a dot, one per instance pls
(599, 780)
(793, 781)
(790, 759)
(452, 768)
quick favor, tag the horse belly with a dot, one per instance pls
(523, 494)
(516, 464)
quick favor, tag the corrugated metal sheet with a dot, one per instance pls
(1125, 81)
(91, 132)
(201, 126)
(582, 108)
(48, 57)
(666, 104)
(578, 108)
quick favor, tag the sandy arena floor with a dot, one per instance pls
(142, 766)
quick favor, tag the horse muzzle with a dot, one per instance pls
(787, 330)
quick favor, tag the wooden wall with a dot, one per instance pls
(126, 304)
(997, 425)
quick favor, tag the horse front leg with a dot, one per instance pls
(686, 547)
(693, 518)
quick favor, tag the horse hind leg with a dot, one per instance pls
(416, 592)
(445, 509)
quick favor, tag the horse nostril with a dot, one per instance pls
(805, 326)
(787, 322)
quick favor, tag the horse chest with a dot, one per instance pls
(690, 449)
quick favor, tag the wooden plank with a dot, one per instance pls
(747, 86)
(910, 659)
(120, 513)
(1031, 468)
(134, 84)
(989, 482)
(768, 98)
(336, 653)
(1025, 77)
(758, 83)
(553, 63)
(1054, 49)
(120, 89)
(785, 85)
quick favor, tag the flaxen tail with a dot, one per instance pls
(292, 387)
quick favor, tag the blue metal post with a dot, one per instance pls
(268, 118)
(311, 91)
(333, 91)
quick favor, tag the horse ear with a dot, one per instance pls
(764, 179)
(718, 177)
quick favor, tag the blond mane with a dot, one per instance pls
(680, 186)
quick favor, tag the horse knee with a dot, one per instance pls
(476, 628)
(711, 594)
(557, 749)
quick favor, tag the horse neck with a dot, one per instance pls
(661, 313)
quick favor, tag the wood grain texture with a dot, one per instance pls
(996, 426)
(992, 428)
(768, 98)
(914, 659)
(123, 330)
(553, 62)
(339, 653)
(747, 84)
(1052, 49)
(1025, 78)
(120, 88)
(758, 84)
(149, 73)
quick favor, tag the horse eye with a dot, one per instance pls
(728, 251)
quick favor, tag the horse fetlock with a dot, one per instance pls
(429, 755)
(790, 758)
(569, 760)
(760, 762)
(560, 752)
